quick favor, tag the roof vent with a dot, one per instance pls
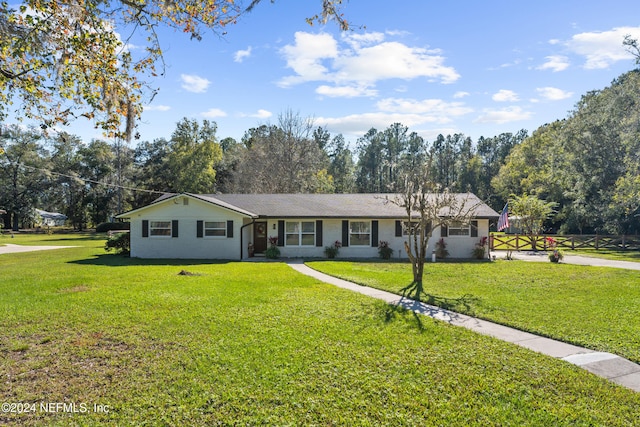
(185, 201)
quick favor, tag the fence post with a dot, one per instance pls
(491, 242)
(573, 243)
(624, 246)
(597, 242)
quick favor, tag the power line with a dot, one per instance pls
(87, 180)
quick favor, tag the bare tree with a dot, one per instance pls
(284, 158)
(427, 205)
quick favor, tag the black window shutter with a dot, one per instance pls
(474, 228)
(398, 228)
(230, 229)
(200, 229)
(174, 228)
(280, 233)
(444, 230)
(145, 228)
(319, 233)
(345, 233)
(374, 234)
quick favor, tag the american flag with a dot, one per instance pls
(503, 221)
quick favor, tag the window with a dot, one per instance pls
(409, 226)
(160, 228)
(215, 228)
(459, 229)
(301, 233)
(360, 233)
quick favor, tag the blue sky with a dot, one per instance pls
(478, 68)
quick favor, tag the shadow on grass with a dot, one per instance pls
(450, 310)
(112, 260)
(75, 239)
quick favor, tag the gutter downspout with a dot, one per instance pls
(253, 220)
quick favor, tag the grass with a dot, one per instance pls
(257, 343)
(43, 239)
(589, 306)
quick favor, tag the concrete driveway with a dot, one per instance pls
(542, 256)
(12, 249)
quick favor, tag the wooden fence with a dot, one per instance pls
(518, 242)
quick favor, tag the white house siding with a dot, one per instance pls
(458, 246)
(187, 245)
(461, 246)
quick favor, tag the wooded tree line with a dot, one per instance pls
(92, 182)
(588, 164)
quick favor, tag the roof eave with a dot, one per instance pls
(223, 205)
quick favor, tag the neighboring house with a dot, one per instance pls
(50, 219)
(223, 226)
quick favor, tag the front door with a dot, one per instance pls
(260, 237)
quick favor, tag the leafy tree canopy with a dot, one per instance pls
(62, 59)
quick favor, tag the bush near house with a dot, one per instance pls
(120, 243)
(112, 226)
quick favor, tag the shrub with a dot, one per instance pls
(384, 250)
(119, 242)
(112, 226)
(333, 250)
(479, 252)
(555, 255)
(272, 251)
(441, 249)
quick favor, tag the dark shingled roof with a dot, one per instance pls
(330, 205)
(320, 205)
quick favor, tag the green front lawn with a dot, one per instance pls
(257, 343)
(593, 307)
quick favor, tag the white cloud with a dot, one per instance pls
(361, 61)
(306, 55)
(392, 60)
(460, 94)
(359, 124)
(505, 95)
(409, 112)
(214, 113)
(242, 54)
(193, 83)
(262, 114)
(433, 110)
(357, 40)
(157, 108)
(601, 49)
(345, 91)
(505, 115)
(554, 94)
(555, 63)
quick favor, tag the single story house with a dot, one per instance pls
(237, 226)
(50, 219)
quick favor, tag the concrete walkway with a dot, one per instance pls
(607, 365)
(11, 249)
